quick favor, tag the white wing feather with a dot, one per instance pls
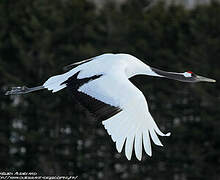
(134, 123)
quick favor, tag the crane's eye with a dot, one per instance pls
(188, 74)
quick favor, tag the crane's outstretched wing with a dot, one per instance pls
(121, 106)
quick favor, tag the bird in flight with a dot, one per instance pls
(101, 84)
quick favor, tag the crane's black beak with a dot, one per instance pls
(204, 79)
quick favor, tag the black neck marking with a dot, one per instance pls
(171, 75)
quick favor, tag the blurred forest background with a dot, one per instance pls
(51, 134)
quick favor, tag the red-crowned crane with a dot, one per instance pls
(102, 85)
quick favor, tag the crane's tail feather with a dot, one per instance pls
(127, 132)
(23, 90)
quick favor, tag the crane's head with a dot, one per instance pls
(189, 76)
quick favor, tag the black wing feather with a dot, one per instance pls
(99, 109)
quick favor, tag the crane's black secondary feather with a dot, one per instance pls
(99, 109)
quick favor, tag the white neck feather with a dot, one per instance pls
(139, 68)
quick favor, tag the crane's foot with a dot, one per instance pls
(23, 90)
(17, 90)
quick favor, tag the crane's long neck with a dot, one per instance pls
(137, 67)
(140, 68)
(169, 75)
(150, 71)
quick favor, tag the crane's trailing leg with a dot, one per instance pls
(23, 90)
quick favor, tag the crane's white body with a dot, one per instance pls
(134, 125)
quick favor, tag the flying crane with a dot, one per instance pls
(102, 85)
